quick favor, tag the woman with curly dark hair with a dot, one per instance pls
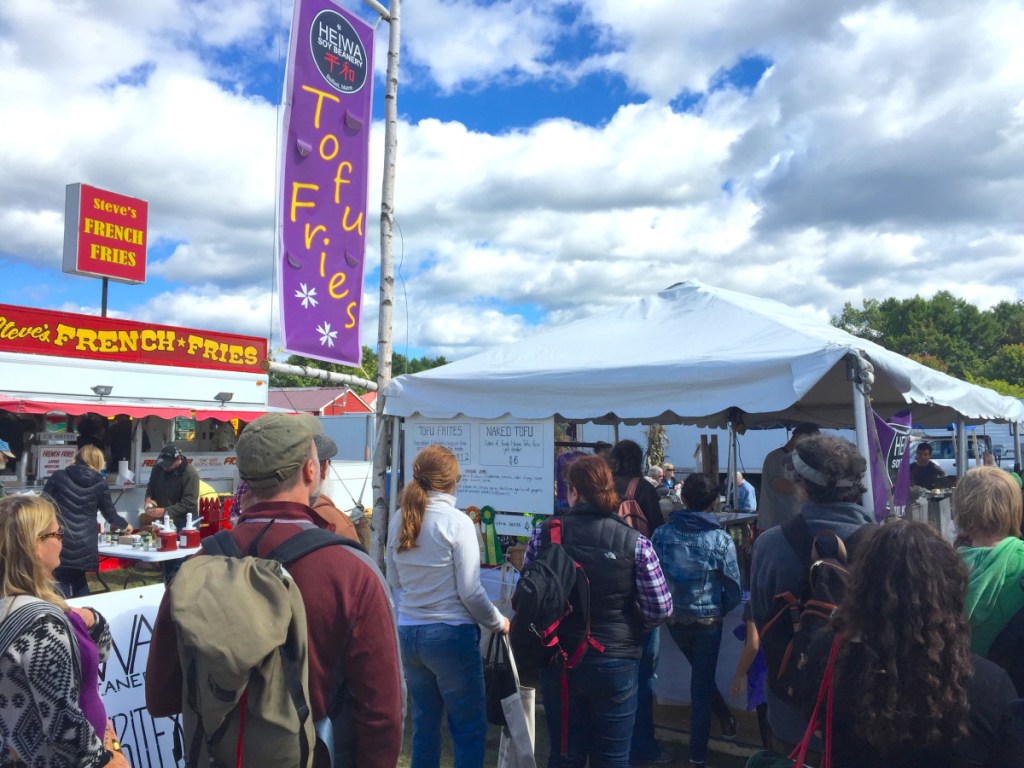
(908, 691)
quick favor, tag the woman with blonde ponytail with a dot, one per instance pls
(433, 564)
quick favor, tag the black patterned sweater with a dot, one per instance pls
(41, 722)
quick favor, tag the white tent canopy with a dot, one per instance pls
(691, 354)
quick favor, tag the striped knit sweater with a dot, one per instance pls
(41, 722)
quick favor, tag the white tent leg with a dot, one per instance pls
(1016, 444)
(860, 420)
(961, 447)
(732, 490)
(396, 457)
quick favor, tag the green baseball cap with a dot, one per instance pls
(272, 448)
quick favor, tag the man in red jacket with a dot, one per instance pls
(354, 673)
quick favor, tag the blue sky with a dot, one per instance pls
(555, 159)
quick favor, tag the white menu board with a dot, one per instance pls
(50, 458)
(210, 466)
(506, 463)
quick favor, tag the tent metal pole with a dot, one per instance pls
(855, 371)
(961, 447)
(732, 489)
(1016, 444)
(860, 421)
(396, 458)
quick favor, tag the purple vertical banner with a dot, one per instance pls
(325, 158)
(894, 437)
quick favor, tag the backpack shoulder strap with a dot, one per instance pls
(799, 537)
(860, 537)
(631, 489)
(306, 541)
(802, 542)
(221, 543)
(555, 530)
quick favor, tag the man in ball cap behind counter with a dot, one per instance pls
(173, 488)
(354, 673)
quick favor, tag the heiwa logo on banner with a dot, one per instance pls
(894, 477)
(328, 98)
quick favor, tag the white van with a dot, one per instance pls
(944, 449)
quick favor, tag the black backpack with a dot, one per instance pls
(787, 635)
(552, 590)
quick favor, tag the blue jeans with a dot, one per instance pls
(444, 671)
(72, 581)
(644, 746)
(602, 704)
(700, 643)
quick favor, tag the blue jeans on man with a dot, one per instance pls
(700, 642)
(444, 672)
(602, 705)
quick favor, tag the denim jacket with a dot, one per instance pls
(699, 561)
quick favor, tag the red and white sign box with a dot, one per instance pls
(105, 234)
(50, 458)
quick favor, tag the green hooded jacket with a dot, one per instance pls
(994, 591)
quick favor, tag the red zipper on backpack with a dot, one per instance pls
(242, 706)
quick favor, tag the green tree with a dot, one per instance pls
(944, 332)
(1007, 365)
(1010, 317)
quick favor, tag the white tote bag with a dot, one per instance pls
(503, 603)
(515, 749)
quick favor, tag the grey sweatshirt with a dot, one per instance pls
(776, 569)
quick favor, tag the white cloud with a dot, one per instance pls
(460, 42)
(247, 311)
(881, 154)
(454, 329)
(665, 47)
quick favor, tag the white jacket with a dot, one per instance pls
(438, 580)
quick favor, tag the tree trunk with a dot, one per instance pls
(381, 454)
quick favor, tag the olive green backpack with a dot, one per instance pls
(243, 650)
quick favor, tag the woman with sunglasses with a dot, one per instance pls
(50, 710)
(433, 564)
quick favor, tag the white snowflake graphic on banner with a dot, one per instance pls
(306, 294)
(327, 336)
